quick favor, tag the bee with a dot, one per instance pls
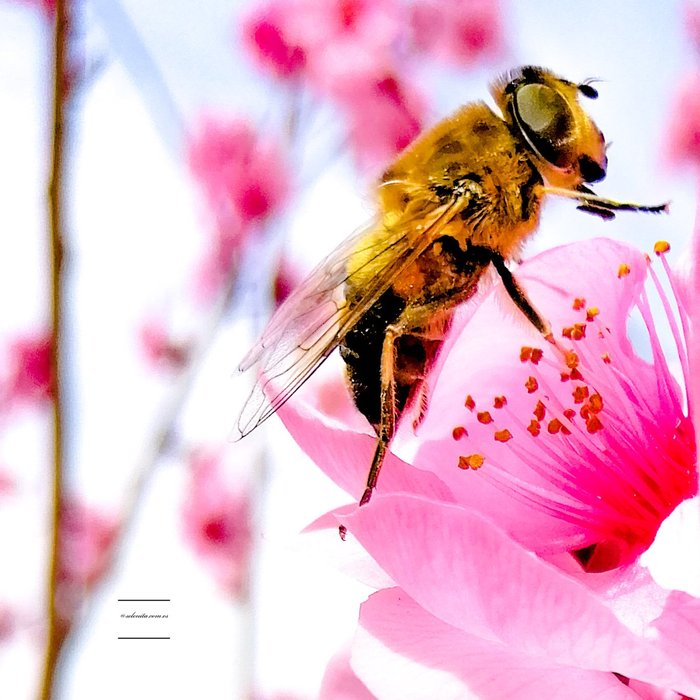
(463, 197)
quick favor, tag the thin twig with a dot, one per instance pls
(163, 432)
(57, 627)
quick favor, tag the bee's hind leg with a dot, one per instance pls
(415, 320)
(387, 409)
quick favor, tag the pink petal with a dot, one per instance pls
(465, 571)
(345, 454)
(679, 632)
(694, 341)
(321, 538)
(401, 651)
(340, 681)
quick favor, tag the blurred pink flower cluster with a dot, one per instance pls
(216, 516)
(27, 375)
(683, 130)
(534, 468)
(160, 349)
(48, 7)
(364, 56)
(245, 180)
(86, 539)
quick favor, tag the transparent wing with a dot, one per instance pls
(314, 319)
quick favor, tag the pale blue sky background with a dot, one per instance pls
(137, 224)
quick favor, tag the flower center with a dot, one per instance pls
(606, 442)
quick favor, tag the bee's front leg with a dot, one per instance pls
(591, 203)
(516, 293)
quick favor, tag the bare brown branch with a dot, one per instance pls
(57, 627)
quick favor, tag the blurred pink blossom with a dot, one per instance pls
(457, 31)
(683, 143)
(217, 521)
(691, 11)
(159, 348)
(238, 169)
(527, 449)
(385, 113)
(320, 38)
(267, 36)
(349, 38)
(286, 278)
(352, 56)
(8, 623)
(7, 483)
(47, 6)
(222, 253)
(86, 539)
(245, 180)
(28, 375)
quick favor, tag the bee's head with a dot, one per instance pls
(544, 110)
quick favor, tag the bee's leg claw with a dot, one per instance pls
(366, 495)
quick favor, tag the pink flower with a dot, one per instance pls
(8, 623)
(683, 145)
(7, 483)
(47, 6)
(691, 11)
(266, 35)
(286, 278)
(457, 31)
(352, 55)
(222, 254)
(528, 449)
(86, 539)
(245, 180)
(217, 522)
(320, 39)
(28, 375)
(385, 113)
(159, 348)
(348, 37)
(240, 171)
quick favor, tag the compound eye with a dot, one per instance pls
(546, 122)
